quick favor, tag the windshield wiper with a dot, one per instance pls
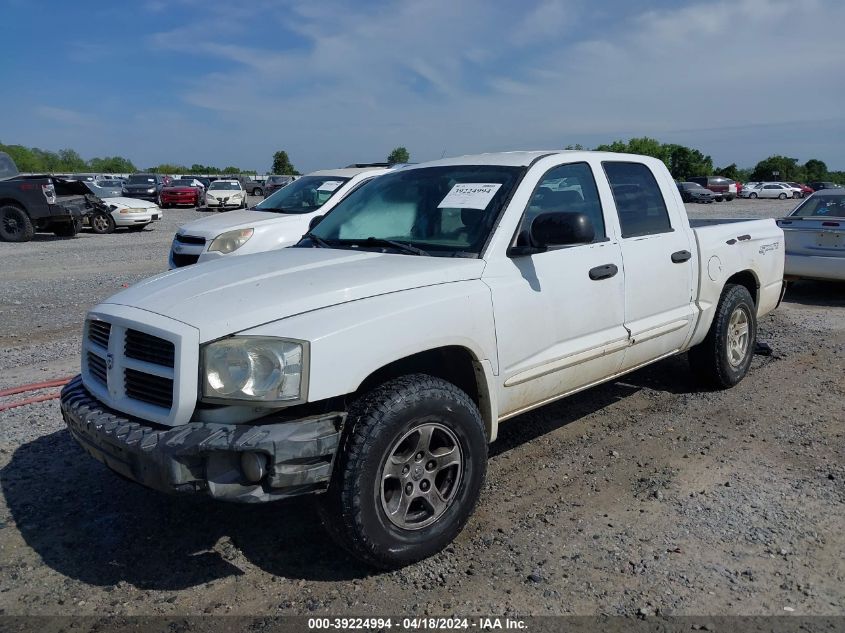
(401, 246)
(319, 241)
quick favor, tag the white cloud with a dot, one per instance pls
(471, 76)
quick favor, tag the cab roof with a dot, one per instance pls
(346, 172)
(517, 158)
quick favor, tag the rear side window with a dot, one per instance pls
(639, 202)
(567, 188)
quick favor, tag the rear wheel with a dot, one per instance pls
(722, 359)
(256, 192)
(102, 223)
(409, 471)
(15, 225)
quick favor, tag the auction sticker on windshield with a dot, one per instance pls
(330, 185)
(469, 195)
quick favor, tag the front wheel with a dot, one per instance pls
(409, 471)
(782, 196)
(752, 195)
(722, 359)
(256, 192)
(102, 223)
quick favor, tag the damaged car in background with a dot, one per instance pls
(131, 213)
(29, 204)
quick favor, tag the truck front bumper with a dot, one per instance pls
(293, 457)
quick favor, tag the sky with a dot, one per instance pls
(332, 83)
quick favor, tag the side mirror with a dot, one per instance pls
(314, 221)
(556, 228)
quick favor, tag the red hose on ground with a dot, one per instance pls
(33, 400)
(35, 386)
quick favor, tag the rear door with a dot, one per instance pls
(658, 257)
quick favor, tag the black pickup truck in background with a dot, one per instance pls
(40, 203)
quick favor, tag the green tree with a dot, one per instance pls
(731, 171)
(282, 164)
(576, 146)
(685, 162)
(112, 165)
(71, 161)
(24, 158)
(815, 169)
(777, 168)
(398, 155)
(643, 145)
(232, 170)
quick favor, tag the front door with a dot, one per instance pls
(559, 314)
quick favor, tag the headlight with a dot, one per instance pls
(123, 211)
(151, 190)
(254, 368)
(230, 241)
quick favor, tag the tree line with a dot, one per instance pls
(686, 162)
(683, 162)
(68, 161)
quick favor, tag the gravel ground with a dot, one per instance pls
(645, 495)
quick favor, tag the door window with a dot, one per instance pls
(567, 188)
(639, 201)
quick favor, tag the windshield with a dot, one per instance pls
(182, 183)
(446, 211)
(108, 183)
(140, 180)
(821, 205)
(224, 186)
(304, 195)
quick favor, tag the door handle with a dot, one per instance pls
(680, 257)
(603, 272)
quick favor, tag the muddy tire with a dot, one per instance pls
(15, 225)
(409, 471)
(722, 359)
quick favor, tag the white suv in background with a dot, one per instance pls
(225, 194)
(279, 220)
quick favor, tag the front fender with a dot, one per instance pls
(350, 341)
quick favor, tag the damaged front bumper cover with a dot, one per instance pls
(205, 458)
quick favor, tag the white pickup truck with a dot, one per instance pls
(374, 361)
(275, 222)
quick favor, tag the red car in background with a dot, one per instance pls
(182, 192)
(805, 190)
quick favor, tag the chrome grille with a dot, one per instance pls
(97, 368)
(155, 390)
(149, 348)
(99, 332)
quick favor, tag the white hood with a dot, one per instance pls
(216, 224)
(227, 296)
(129, 203)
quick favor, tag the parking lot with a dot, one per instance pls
(645, 495)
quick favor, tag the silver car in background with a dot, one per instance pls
(815, 237)
(105, 188)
